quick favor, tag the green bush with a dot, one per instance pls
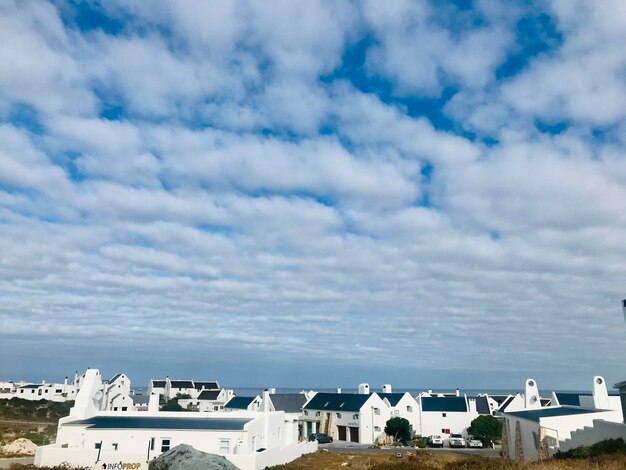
(605, 447)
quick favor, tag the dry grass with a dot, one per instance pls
(427, 461)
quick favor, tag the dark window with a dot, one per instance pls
(124, 408)
(97, 445)
(165, 445)
(444, 414)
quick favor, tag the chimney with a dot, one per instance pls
(532, 400)
(458, 392)
(272, 391)
(387, 388)
(600, 394)
(430, 391)
(624, 308)
(43, 382)
(364, 389)
(266, 401)
(338, 389)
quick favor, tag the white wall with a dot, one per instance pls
(413, 416)
(599, 431)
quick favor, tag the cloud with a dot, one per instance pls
(281, 184)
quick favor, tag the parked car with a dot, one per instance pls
(456, 440)
(474, 442)
(435, 441)
(321, 438)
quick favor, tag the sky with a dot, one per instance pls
(315, 193)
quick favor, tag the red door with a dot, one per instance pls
(354, 434)
(342, 433)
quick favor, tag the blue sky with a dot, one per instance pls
(428, 194)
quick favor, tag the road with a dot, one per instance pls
(345, 448)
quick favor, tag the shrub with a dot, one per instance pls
(605, 447)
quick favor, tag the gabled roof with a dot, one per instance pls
(551, 411)
(482, 406)
(33, 386)
(114, 378)
(181, 384)
(288, 402)
(506, 403)
(392, 398)
(140, 398)
(444, 404)
(337, 401)
(158, 383)
(239, 403)
(209, 395)
(210, 385)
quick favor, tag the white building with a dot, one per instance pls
(169, 388)
(445, 415)
(403, 405)
(117, 394)
(355, 417)
(537, 432)
(289, 403)
(58, 392)
(90, 437)
(207, 400)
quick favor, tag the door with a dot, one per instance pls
(354, 434)
(342, 433)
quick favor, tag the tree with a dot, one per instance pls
(486, 427)
(398, 428)
(172, 405)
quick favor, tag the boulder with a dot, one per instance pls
(185, 457)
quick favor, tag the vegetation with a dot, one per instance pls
(606, 447)
(486, 428)
(18, 409)
(398, 428)
(172, 405)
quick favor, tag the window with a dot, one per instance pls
(444, 415)
(114, 445)
(376, 428)
(124, 408)
(355, 416)
(215, 408)
(376, 411)
(338, 415)
(409, 409)
(165, 444)
(21, 391)
(224, 446)
(317, 413)
(306, 413)
(445, 431)
(45, 391)
(58, 390)
(97, 445)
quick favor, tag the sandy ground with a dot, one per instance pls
(6, 463)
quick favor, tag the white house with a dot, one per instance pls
(537, 432)
(117, 394)
(90, 437)
(44, 391)
(169, 388)
(289, 403)
(403, 405)
(445, 415)
(207, 400)
(355, 417)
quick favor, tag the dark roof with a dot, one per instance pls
(288, 402)
(239, 403)
(140, 398)
(572, 399)
(506, 403)
(157, 422)
(114, 377)
(545, 401)
(445, 404)
(181, 384)
(393, 398)
(212, 385)
(158, 383)
(208, 395)
(550, 411)
(482, 406)
(32, 386)
(337, 401)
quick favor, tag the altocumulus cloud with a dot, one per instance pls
(413, 192)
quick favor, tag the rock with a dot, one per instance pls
(20, 446)
(185, 457)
